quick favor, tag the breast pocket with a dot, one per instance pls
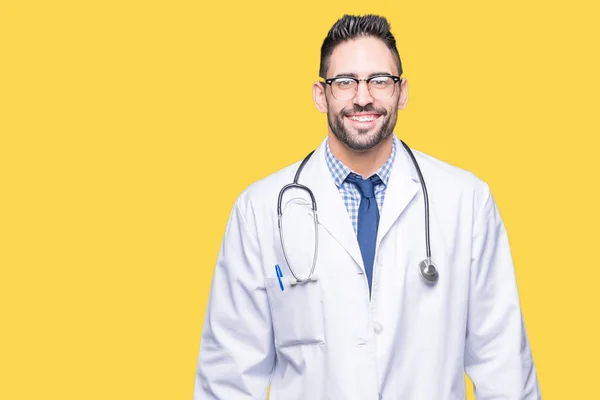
(297, 313)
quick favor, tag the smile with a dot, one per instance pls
(363, 118)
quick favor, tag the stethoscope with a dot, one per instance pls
(427, 268)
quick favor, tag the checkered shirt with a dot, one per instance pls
(349, 191)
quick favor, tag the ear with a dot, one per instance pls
(319, 96)
(403, 99)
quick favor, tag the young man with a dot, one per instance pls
(373, 316)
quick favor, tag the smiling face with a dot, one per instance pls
(362, 122)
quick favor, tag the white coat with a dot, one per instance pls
(326, 340)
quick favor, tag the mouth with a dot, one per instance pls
(363, 120)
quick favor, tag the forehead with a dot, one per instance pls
(362, 56)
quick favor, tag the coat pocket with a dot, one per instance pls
(297, 313)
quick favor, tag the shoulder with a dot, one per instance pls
(449, 180)
(263, 194)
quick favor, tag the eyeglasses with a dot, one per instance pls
(381, 87)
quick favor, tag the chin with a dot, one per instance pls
(362, 142)
(366, 139)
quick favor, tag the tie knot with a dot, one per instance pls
(366, 187)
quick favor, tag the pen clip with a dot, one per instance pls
(279, 276)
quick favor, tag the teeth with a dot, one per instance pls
(363, 118)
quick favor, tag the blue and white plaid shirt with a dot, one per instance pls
(349, 191)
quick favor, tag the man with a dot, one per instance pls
(372, 320)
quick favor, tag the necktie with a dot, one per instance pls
(368, 220)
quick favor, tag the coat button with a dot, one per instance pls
(377, 327)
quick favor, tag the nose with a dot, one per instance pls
(363, 96)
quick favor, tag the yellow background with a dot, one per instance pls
(128, 128)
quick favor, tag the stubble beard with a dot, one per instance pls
(362, 140)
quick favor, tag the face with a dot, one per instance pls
(362, 122)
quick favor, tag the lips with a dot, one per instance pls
(363, 119)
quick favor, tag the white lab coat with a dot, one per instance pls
(326, 340)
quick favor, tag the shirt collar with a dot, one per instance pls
(339, 171)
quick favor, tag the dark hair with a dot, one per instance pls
(354, 26)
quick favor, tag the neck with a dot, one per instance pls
(363, 162)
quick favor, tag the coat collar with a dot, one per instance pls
(332, 214)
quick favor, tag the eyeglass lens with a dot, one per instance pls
(381, 88)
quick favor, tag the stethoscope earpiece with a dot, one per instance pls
(312, 278)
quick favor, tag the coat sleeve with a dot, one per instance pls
(236, 349)
(498, 357)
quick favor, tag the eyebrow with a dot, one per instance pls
(353, 75)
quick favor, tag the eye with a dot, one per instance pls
(344, 83)
(380, 81)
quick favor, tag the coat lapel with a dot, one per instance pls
(331, 210)
(402, 187)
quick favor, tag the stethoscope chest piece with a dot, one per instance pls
(428, 271)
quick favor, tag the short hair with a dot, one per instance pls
(350, 27)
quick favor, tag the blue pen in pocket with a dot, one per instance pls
(279, 275)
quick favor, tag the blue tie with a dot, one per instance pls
(368, 220)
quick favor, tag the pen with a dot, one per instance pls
(279, 275)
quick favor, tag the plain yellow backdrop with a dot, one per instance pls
(128, 128)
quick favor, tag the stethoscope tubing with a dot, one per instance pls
(425, 197)
(427, 268)
(296, 185)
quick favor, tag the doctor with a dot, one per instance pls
(364, 324)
